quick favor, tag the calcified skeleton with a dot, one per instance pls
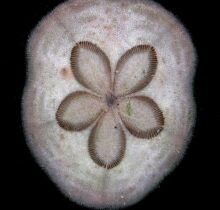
(108, 107)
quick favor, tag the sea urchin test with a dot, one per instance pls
(108, 109)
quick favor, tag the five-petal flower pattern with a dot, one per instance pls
(110, 103)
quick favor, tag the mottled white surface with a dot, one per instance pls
(115, 26)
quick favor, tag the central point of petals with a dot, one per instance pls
(110, 100)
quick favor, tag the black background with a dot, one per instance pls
(190, 185)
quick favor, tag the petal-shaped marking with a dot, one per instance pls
(91, 67)
(107, 142)
(78, 110)
(135, 69)
(141, 116)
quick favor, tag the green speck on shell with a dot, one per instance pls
(128, 110)
(190, 116)
(125, 86)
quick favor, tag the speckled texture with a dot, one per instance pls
(115, 26)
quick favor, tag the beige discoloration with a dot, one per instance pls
(78, 6)
(108, 10)
(87, 19)
(108, 28)
(66, 73)
(124, 18)
(62, 137)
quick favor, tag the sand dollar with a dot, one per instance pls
(108, 109)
